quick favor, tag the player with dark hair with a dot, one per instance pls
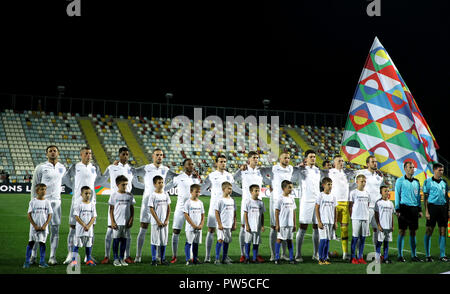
(408, 209)
(435, 191)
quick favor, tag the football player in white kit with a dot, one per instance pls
(374, 180)
(81, 174)
(277, 174)
(120, 168)
(214, 181)
(50, 173)
(183, 181)
(248, 174)
(148, 172)
(308, 177)
(341, 186)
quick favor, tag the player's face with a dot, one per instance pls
(284, 159)
(288, 189)
(195, 193)
(327, 165)
(339, 162)
(253, 160)
(373, 163)
(361, 182)
(327, 187)
(52, 153)
(122, 186)
(439, 172)
(311, 159)
(221, 164)
(86, 194)
(159, 184)
(255, 193)
(158, 157)
(227, 190)
(409, 169)
(189, 166)
(86, 155)
(124, 156)
(41, 191)
(385, 193)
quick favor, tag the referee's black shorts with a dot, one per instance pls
(409, 217)
(438, 214)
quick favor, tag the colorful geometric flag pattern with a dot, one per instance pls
(384, 120)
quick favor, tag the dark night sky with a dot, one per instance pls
(304, 55)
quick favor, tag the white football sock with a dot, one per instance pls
(315, 237)
(54, 239)
(299, 242)
(272, 240)
(242, 241)
(140, 241)
(70, 240)
(209, 242)
(175, 238)
(108, 239)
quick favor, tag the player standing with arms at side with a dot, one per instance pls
(81, 174)
(214, 181)
(183, 181)
(408, 209)
(50, 173)
(435, 190)
(248, 174)
(341, 185)
(148, 172)
(278, 173)
(120, 168)
(374, 180)
(309, 177)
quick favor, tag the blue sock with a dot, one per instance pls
(123, 246)
(187, 251)
(327, 249)
(218, 248)
(386, 249)
(427, 243)
(116, 248)
(362, 240)
(400, 244)
(255, 251)
(153, 252)
(321, 248)
(88, 253)
(412, 243)
(353, 246)
(163, 252)
(28, 252)
(291, 249)
(378, 247)
(277, 250)
(247, 250)
(74, 250)
(225, 250)
(442, 246)
(42, 252)
(195, 251)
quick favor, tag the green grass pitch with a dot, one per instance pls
(14, 229)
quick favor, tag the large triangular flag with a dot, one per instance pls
(384, 120)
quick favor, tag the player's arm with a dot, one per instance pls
(102, 180)
(277, 220)
(350, 207)
(295, 221)
(425, 201)
(171, 185)
(219, 222)
(36, 179)
(335, 218)
(398, 195)
(169, 177)
(238, 175)
(418, 198)
(49, 217)
(113, 220)
(130, 222)
(168, 215)
(377, 219)
(155, 216)
(189, 220)
(30, 218)
(247, 226)
(236, 188)
(80, 221)
(319, 220)
(67, 179)
(206, 185)
(234, 221)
